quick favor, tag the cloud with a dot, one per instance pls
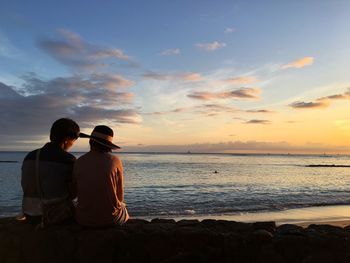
(69, 49)
(210, 46)
(193, 77)
(170, 52)
(87, 114)
(292, 122)
(213, 109)
(299, 63)
(187, 76)
(322, 102)
(102, 90)
(229, 30)
(217, 107)
(336, 97)
(111, 81)
(179, 110)
(28, 111)
(205, 109)
(343, 96)
(308, 105)
(242, 93)
(256, 121)
(7, 92)
(111, 53)
(260, 111)
(240, 80)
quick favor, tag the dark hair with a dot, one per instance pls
(64, 128)
(99, 147)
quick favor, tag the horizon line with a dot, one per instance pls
(198, 153)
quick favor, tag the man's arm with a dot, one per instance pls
(73, 186)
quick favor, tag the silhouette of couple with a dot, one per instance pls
(57, 187)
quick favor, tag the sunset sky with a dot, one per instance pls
(204, 76)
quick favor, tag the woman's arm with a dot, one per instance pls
(120, 184)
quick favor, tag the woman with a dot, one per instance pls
(98, 180)
(47, 172)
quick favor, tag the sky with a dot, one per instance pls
(177, 76)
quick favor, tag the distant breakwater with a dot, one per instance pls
(326, 165)
(164, 240)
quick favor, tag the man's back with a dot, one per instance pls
(55, 172)
(96, 179)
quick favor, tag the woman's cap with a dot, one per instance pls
(103, 135)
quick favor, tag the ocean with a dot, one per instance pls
(210, 185)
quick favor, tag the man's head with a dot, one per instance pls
(64, 131)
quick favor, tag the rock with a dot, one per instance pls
(159, 220)
(183, 257)
(326, 228)
(289, 229)
(224, 226)
(164, 240)
(320, 257)
(185, 222)
(269, 254)
(133, 221)
(261, 236)
(208, 222)
(294, 248)
(268, 226)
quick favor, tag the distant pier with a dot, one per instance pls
(326, 165)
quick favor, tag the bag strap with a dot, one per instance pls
(37, 176)
(38, 185)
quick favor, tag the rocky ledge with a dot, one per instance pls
(164, 240)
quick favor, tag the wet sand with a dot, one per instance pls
(341, 223)
(338, 215)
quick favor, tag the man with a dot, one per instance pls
(98, 180)
(49, 179)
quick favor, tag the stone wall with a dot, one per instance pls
(169, 241)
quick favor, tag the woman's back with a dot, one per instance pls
(96, 179)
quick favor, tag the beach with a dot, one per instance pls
(334, 215)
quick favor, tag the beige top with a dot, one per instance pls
(98, 178)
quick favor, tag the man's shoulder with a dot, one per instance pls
(71, 157)
(31, 155)
(61, 156)
(52, 152)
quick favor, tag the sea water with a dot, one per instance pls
(210, 185)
